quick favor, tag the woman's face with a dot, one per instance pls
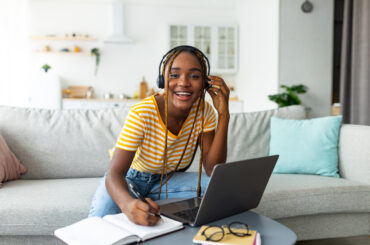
(185, 81)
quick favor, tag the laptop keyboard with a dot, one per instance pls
(188, 214)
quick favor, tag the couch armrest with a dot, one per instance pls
(354, 152)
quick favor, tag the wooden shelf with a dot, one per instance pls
(59, 38)
(64, 53)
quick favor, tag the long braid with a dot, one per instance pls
(199, 189)
(202, 101)
(170, 58)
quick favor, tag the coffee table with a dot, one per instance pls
(272, 232)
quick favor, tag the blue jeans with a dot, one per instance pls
(180, 185)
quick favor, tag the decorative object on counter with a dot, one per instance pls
(123, 96)
(335, 109)
(64, 50)
(78, 91)
(143, 89)
(289, 97)
(136, 95)
(151, 91)
(90, 93)
(108, 96)
(96, 52)
(76, 49)
(233, 95)
(46, 67)
(66, 93)
(47, 48)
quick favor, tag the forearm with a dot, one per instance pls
(218, 150)
(118, 189)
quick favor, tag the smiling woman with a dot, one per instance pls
(160, 137)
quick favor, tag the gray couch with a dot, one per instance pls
(66, 153)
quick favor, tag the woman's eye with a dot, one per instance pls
(194, 76)
(174, 75)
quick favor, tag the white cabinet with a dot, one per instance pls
(96, 103)
(218, 42)
(234, 106)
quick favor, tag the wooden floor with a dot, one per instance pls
(357, 240)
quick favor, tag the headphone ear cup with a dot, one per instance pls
(207, 85)
(160, 81)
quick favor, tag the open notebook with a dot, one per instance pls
(113, 229)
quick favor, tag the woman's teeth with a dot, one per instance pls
(183, 93)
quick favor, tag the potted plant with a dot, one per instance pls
(96, 52)
(46, 68)
(290, 96)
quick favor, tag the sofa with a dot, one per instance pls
(66, 154)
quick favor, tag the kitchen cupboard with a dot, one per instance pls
(218, 42)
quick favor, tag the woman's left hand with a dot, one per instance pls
(220, 95)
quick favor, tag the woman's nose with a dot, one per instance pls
(184, 81)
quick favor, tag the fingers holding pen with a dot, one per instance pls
(154, 206)
(151, 211)
(142, 213)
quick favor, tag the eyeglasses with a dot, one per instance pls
(216, 233)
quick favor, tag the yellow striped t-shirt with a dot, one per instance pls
(144, 132)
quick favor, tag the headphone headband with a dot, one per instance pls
(160, 79)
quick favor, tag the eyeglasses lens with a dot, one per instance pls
(214, 233)
(239, 229)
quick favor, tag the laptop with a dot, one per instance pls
(233, 188)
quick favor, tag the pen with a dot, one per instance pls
(138, 196)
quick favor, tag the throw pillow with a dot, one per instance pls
(306, 146)
(10, 167)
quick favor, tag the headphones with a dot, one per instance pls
(187, 48)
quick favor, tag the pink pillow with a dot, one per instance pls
(10, 167)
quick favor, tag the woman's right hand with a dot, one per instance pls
(142, 213)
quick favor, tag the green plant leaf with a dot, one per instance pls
(96, 52)
(289, 97)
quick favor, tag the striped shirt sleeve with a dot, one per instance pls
(132, 132)
(209, 118)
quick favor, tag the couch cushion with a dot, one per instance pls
(10, 167)
(289, 195)
(38, 207)
(249, 133)
(61, 143)
(354, 152)
(306, 146)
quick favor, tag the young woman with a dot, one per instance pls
(160, 136)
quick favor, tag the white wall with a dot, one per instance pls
(14, 60)
(305, 55)
(266, 31)
(123, 65)
(258, 56)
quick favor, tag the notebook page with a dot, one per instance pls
(145, 232)
(93, 231)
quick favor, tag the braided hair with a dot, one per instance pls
(169, 61)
